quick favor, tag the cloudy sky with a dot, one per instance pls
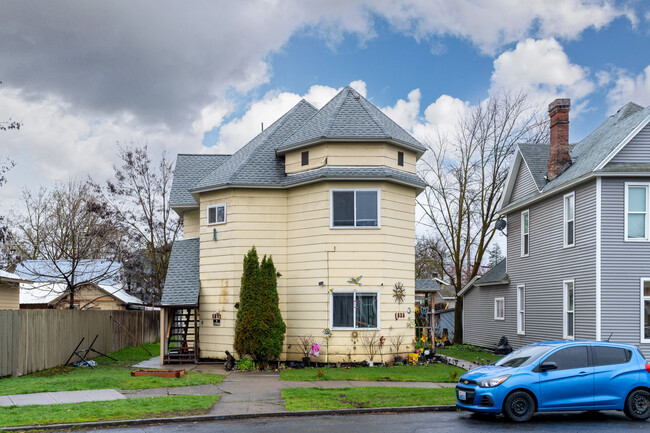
(201, 76)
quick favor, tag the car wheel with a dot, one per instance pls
(637, 405)
(519, 406)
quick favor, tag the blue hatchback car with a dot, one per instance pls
(560, 376)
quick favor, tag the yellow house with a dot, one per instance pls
(10, 290)
(330, 194)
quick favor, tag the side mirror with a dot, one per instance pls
(546, 366)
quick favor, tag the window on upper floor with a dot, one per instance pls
(636, 211)
(400, 159)
(499, 309)
(354, 208)
(217, 214)
(304, 158)
(569, 219)
(525, 233)
(354, 310)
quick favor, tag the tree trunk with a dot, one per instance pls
(458, 322)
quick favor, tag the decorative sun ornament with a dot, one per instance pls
(399, 293)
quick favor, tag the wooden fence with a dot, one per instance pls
(35, 340)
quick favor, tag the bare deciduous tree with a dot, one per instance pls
(139, 197)
(430, 259)
(69, 228)
(465, 174)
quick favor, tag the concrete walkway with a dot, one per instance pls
(60, 397)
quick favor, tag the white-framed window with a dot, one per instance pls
(217, 214)
(525, 233)
(521, 310)
(499, 309)
(570, 219)
(354, 309)
(636, 211)
(569, 309)
(645, 310)
(355, 208)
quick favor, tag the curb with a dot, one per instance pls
(204, 418)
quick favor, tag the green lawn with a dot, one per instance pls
(108, 375)
(469, 353)
(348, 398)
(412, 373)
(181, 405)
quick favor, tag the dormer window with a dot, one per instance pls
(217, 214)
(304, 156)
(400, 159)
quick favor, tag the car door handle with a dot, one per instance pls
(583, 373)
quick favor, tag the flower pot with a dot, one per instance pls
(371, 364)
(398, 360)
(307, 361)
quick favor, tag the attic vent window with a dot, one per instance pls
(305, 157)
(400, 159)
(217, 214)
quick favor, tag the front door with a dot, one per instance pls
(571, 385)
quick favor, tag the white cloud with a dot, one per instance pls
(541, 69)
(630, 88)
(406, 113)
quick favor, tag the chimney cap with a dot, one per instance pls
(559, 103)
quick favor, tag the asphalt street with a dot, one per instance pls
(412, 422)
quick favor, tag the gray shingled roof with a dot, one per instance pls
(587, 154)
(344, 172)
(189, 170)
(87, 270)
(426, 285)
(182, 282)
(348, 116)
(495, 275)
(256, 162)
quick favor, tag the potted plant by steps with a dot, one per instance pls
(370, 342)
(304, 343)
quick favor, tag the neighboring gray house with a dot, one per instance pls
(578, 262)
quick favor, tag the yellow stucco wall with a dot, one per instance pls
(350, 154)
(294, 227)
(9, 296)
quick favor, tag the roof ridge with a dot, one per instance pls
(362, 102)
(275, 125)
(337, 110)
(205, 154)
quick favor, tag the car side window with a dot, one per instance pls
(611, 355)
(570, 357)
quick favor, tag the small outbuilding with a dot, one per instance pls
(10, 290)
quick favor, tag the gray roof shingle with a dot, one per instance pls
(344, 172)
(495, 275)
(347, 116)
(256, 162)
(190, 169)
(182, 281)
(426, 285)
(587, 154)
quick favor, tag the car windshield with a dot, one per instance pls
(524, 356)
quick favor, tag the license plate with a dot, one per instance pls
(462, 395)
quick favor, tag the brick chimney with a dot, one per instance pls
(558, 111)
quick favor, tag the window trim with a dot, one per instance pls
(521, 312)
(207, 214)
(525, 212)
(354, 312)
(496, 300)
(304, 158)
(567, 221)
(565, 311)
(643, 298)
(647, 211)
(355, 227)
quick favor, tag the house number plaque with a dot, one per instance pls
(399, 316)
